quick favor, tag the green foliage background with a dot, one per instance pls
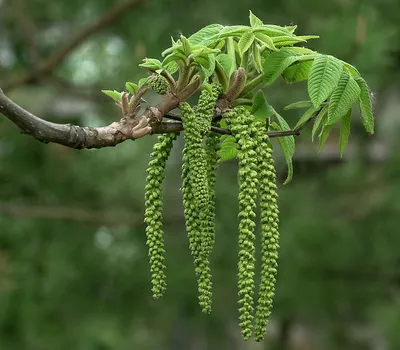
(85, 284)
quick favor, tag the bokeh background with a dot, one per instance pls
(73, 265)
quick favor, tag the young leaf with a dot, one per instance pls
(232, 31)
(299, 104)
(261, 108)
(320, 121)
(254, 20)
(266, 41)
(273, 30)
(203, 35)
(324, 135)
(306, 116)
(226, 63)
(287, 146)
(343, 97)
(344, 133)
(131, 87)
(142, 81)
(352, 70)
(228, 149)
(245, 42)
(276, 63)
(298, 71)
(324, 76)
(231, 52)
(367, 116)
(114, 94)
(173, 57)
(257, 58)
(151, 63)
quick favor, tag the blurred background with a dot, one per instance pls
(73, 261)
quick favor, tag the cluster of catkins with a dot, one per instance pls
(257, 178)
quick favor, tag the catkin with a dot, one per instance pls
(153, 212)
(269, 217)
(205, 112)
(159, 84)
(196, 199)
(242, 127)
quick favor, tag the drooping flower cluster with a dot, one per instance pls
(153, 212)
(242, 127)
(269, 218)
(257, 178)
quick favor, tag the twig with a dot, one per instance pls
(57, 57)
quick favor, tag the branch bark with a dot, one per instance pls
(129, 127)
(57, 57)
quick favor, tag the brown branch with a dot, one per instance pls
(57, 57)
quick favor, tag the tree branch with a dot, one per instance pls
(57, 57)
(129, 127)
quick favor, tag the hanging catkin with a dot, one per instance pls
(205, 111)
(153, 212)
(241, 122)
(269, 217)
(196, 200)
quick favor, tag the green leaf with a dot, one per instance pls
(299, 104)
(301, 50)
(276, 63)
(266, 41)
(287, 144)
(228, 149)
(291, 29)
(285, 40)
(287, 151)
(343, 97)
(273, 30)
(204, 61)
(320, 121)
(257, 58)
(323, 78)
(226, 62)
(254, 20)
(187, 47)
(344, 132)
(351, 69)
(171, 67)
(323, 137)
(306, 116)
(260, 107)
(151, 63)
(298, 71)
(173, 57)
(114, 94)
(203, 35)
(365, 104)
(245, 42)
(143, 81)
(131, 87)
(231, 52)
(232, 31)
